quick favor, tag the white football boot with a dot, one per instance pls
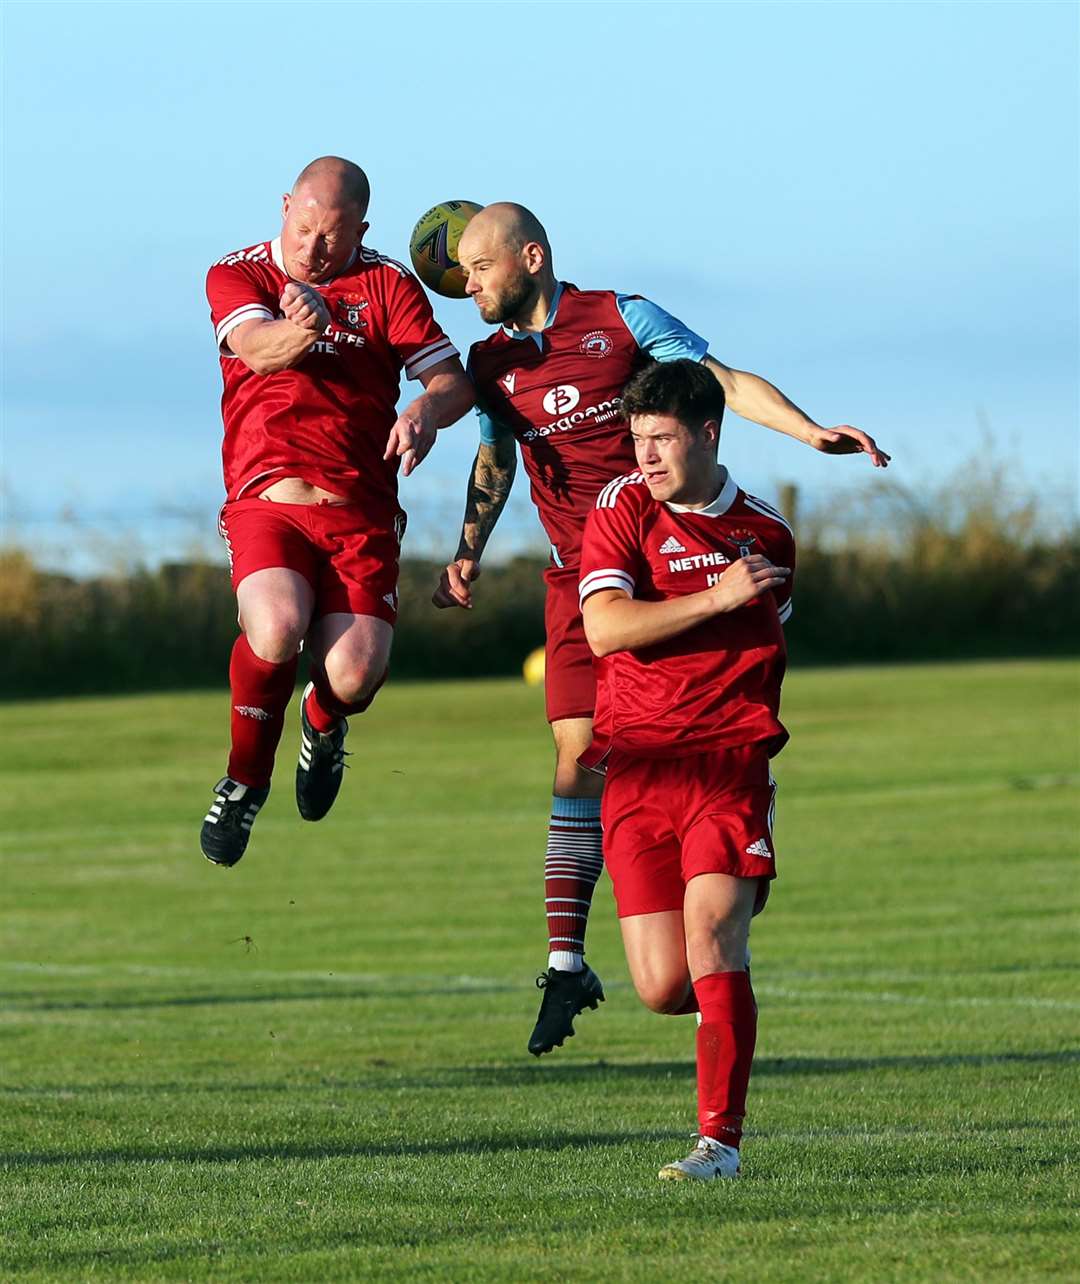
(708, 1159)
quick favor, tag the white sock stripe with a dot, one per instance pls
(568, 940)
(574, 822)
(565, 900)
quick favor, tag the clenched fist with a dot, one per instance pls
(305, 307)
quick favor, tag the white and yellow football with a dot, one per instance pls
(433, 246)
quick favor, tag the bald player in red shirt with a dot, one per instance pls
(549, 382)
(313, 331)
(685, 583)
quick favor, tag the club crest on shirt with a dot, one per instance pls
(595, 344)
(350, 308)
(741, 539)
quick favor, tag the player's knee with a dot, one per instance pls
(720, 948)
(353, 684)
(275, 636)
(664, 994)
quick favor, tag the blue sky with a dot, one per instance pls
(873, 205)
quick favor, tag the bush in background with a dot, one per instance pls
(969, 568)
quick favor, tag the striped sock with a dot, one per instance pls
(572, 866)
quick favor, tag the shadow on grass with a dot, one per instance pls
(518, 1143)
(386, 1074)
(330, 1150)
(17, 1001)
(763, 1067)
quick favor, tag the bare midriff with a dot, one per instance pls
(294, 490)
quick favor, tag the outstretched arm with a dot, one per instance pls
(489, 486)
(448, 393)
(756, 399)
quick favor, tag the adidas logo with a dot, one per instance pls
(760, 848)
(252, 711)
(671, 545)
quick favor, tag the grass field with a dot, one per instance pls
(312, 1066)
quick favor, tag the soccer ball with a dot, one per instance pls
(433, 246)
(533, 668)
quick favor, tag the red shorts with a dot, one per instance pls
(668, 819)
(351, 565)
(569, 681)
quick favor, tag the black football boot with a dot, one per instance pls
(227, 826)
(321, 765)
(565, 995)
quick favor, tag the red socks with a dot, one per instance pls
(725, 1052)
(324, 709)
(260, 694)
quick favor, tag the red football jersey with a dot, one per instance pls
(327, 418)
(559, 392)
(718, 684)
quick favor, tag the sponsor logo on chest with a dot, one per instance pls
(690, 562)
(561, 399)
(564, 403)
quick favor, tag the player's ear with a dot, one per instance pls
(533, 256)
(285, 206)
(710, 430)
(360, 232)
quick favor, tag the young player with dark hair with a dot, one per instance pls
(550, 381)
(685, 582)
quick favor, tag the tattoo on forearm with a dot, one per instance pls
(489, 486)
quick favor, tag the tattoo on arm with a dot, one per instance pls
(492, 476)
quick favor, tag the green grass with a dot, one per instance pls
(345, 1095)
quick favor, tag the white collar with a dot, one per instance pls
(719, 505)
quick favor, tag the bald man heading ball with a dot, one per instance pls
(549, 382)
(313, 330)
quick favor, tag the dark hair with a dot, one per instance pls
(685, 389)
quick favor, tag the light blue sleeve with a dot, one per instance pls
(491, 430)
(657, 332)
